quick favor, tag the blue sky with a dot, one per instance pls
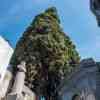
(76, 19)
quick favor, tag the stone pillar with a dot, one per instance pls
(5, 82)
(19, 79)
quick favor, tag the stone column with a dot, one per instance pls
(19, 79)
(5, 82)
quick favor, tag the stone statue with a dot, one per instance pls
(18, 90)
(17, 87)
(95, 8)
(19, 79)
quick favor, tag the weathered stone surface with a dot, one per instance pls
(82, 83)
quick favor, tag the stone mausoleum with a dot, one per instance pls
(83, 83)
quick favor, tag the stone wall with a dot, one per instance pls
(82, 82)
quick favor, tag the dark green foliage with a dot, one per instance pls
(48, 52)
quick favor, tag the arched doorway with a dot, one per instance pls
(76, 97)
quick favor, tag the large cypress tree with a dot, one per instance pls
(48, 52)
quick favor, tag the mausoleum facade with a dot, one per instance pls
(83, 83)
